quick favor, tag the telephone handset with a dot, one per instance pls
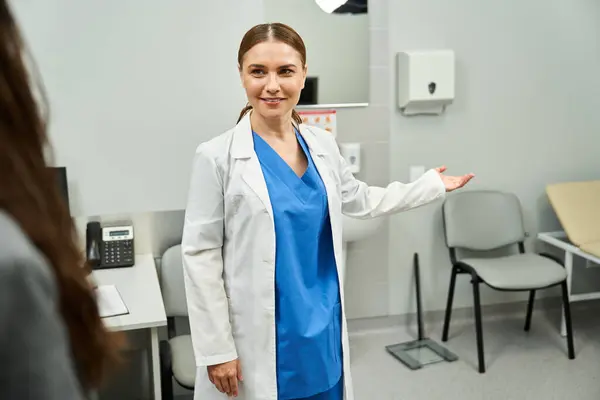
(109, 246)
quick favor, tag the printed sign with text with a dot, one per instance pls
(324, 119)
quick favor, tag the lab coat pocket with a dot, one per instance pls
(233, 203)
(247, 204)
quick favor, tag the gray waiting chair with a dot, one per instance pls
(176, 353)
(481, 221)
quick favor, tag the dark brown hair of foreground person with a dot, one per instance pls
(29, 193)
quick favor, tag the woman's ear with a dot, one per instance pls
(241, 75)
(305, 72)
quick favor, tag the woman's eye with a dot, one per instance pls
(287, 71)
(256, 72)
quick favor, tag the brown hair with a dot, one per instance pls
(29, 193)
(277, 32)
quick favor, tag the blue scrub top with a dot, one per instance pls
(307, 299)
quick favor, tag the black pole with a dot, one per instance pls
(418, 290)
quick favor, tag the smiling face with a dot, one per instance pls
(273, 75)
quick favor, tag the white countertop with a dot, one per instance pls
(140, 290)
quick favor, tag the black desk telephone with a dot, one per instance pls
(109, 246)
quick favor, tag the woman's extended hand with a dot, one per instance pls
(226, 376)
(453, 182)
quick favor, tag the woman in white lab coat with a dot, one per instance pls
(262, 238)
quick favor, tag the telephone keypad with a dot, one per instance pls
(118, 253)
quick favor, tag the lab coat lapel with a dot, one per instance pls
(242, 149)
(318, 154)
(327, 175)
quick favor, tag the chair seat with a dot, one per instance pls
(182, 360)
(518, 272)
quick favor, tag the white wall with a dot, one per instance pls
(135, 86)
(512, 123)
(337, 47)
(526, 114)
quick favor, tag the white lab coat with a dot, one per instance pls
(229, 251)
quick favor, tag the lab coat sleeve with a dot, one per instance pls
(360, 200)
(202, 242)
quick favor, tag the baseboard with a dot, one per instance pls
(431, 319)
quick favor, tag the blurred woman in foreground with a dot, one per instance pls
(53, 344)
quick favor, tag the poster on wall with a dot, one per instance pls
(324, 119)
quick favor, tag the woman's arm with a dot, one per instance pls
(35, 352)
(360, 200)
(202, 243)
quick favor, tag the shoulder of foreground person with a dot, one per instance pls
(34, 347)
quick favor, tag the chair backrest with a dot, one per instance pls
(482, 220)
(172, 283)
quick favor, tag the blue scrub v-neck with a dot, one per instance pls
(307, 300)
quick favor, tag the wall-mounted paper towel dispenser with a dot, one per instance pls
(425, 81)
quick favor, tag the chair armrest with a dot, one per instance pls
(552, 257)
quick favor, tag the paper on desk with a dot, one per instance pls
(110, 302)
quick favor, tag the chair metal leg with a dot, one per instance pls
(567, 310)
(478, 329)
(166, 373)
(529, 310)
(449, 304)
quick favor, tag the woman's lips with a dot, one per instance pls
(272, 101)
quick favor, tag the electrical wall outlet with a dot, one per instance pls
(351, 153)
(416, 171)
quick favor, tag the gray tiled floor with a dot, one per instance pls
(520, 365)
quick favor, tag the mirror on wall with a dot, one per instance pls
(337, 45)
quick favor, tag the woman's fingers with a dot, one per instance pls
(225, 385)
(225, 377)
(467, 178)
(239, 371)
(233, 386)
(218, 385)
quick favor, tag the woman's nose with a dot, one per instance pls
(272, 83)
